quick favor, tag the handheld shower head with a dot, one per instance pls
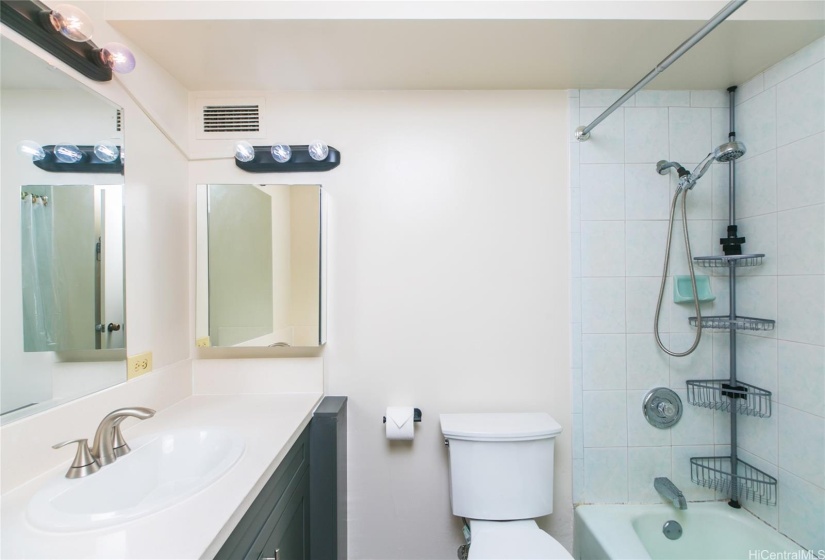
(729, 151)
(663, 166)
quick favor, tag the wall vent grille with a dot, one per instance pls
(231, 118)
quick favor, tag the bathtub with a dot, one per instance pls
(711, 530)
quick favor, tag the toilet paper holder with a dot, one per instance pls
(416, 415)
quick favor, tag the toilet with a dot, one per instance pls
(501, 479)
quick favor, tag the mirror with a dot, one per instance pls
(62, 279)
(260, 266)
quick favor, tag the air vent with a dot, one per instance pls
(119, 121)
(231, 118)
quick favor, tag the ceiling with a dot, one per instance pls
(460, 54)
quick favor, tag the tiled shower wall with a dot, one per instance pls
(620, 207)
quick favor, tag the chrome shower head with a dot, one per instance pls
(729, 151)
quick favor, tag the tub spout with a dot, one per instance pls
(669, 491)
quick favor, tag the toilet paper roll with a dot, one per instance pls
(400, 423)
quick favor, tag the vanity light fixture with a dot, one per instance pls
(286, 158)
(65, 32)
(103, 157)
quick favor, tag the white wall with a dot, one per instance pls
(448, 284)
(781, 206)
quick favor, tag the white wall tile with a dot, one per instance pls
(802, 445)
(576, 301)
(663, 98)
(760, 237)
(756, 296)
(756, 185)
(604, 359)
(800, 172)
(576, 346)
(578, 441)
(756, 124)
(801, 511)
(647, 365)
(647, 194)
(719, 126)
(801, 376)
(720, 179)
(576, 392)
(756, 358)
(603, 301)
(572, 117)
(605, 475)
(641, 294)
(699, 198)
(800, 60)
(640, 433)
(802, 231)
(681, 471)
(697, 365)
(801, 306)
(758, 436)
(603, 248)
(702, 242)
(645, 247)
(680, 314)
(645, 464)
(749, 89)
(800, 105)
(606, 143)
(575, 254)
(646, 134)
(575, 210)
(603, 98)
(696, 425)
(768, 513)
(602, 192)
(575, 151)
(690, 134)
(709, 98)
(605, 419)
(578, 481)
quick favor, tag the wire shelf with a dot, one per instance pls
(727, 261)
(749, 482)
(740, 323)
(745, 399)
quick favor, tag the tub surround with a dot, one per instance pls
(198, 526)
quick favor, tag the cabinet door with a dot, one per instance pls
(289, 538)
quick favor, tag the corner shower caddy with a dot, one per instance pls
(729, 474)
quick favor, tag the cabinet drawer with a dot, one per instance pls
(285, 535)
(278, 489)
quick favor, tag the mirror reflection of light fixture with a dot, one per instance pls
(286, 158)
(65, 32)
(103, 157)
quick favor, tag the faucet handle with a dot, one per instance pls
(84, 463)
(119, 445)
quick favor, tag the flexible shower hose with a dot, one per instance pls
(692, 278)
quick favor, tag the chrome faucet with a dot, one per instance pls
(669, 491)
(109, 443)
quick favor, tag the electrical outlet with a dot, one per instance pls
(203, 342)
(138, 365)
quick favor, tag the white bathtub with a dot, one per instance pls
(711, 530)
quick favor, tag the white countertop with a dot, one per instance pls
(196, 527)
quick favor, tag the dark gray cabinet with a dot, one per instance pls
(307, 491)
(279, 517)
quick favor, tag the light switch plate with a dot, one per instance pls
(138, 364)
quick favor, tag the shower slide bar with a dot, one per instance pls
(583, 132)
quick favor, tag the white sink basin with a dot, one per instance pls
(161, 471)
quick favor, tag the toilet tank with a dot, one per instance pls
(501, 464)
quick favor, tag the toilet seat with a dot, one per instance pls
(513, 540)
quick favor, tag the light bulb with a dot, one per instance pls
(281, 152)
(244, 151)
(72, 22)
(30, 149)
(318, 150)
(118, 57)
(106, 151)
(67, 153)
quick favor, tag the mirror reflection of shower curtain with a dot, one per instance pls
(40, 313)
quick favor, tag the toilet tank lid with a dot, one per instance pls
(497, 426)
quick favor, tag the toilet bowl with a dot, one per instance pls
(501, 478)
(513, 540)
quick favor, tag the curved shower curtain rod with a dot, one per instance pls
(583, 132)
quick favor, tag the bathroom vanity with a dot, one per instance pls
(259, 508)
